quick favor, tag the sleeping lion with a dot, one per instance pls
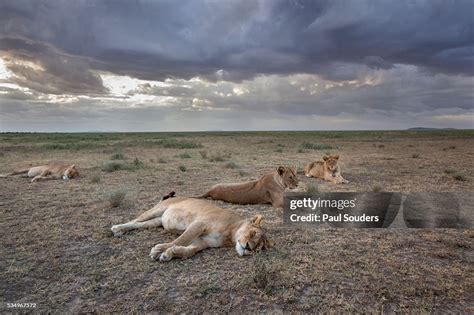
(268, 189)
(327, 169)
(201, 225)
(46, 172)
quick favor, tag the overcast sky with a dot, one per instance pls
(235, 65)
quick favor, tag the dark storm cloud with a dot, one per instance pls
(49, 70)
(155, 40)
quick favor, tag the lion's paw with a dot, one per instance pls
(158, 249)
(116, 230)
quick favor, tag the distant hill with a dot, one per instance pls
(428, 128)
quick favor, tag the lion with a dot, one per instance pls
(47, 172)
(201, 225)
(328, 169)
(268, 189)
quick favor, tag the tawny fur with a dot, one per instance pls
(327, 169)
(268, 189)
(201, 225)
(47, 172)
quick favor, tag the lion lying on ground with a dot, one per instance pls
(202, 225)
(46, 172)
(328, 169)
(268, 189)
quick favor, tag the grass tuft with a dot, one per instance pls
(117, 156)
(312, 188)
(114, 166)
(231, 165)
(179, 144)
(185, 155)
(182, 168)
(116, 198)
(316, 146)
(377, 188)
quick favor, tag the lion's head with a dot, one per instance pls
(331, 161)
(251, 236)
(70, 172)
(288, 176)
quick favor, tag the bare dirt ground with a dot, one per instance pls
(58, 252)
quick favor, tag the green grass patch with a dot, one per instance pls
(316, 146)
(116, 198)
(231, 165)
(117, 156)
(179, 144)
(185, 155)
(182, 168)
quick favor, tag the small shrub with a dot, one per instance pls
(203, 154)
(243, 173)
(279, 150)
(312, 188)
(301, 151)
(117, 156)
(96, 179)
(162, 161)
(185, 155)
(459, 176)
(179, 144)
(415, 155)
(138, 164)
(182, 168)
(315, 146)
(381, 146)
(231, 165)
(220, 157)
(115, 166)
(377, 188)
(116, 198)
(450, 171)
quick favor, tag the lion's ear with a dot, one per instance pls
(295, 169)
(281, 170)
(336, 156)
(325, 158)
(73, 166)
(256, 220)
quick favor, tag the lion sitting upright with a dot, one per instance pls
(46, 172)
(328, 169)
(268, 189)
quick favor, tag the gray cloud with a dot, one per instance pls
(50, 71)
(157, 40)
(261, 64)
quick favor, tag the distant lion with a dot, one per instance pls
(328, 169)
(268, 189)
(201, 225)
(46, 172)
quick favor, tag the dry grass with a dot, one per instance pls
(57, 249)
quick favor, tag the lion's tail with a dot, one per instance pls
(15, 173)
(203, 196)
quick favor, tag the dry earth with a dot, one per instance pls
(58, 252)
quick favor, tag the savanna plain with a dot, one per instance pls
(58, 251)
